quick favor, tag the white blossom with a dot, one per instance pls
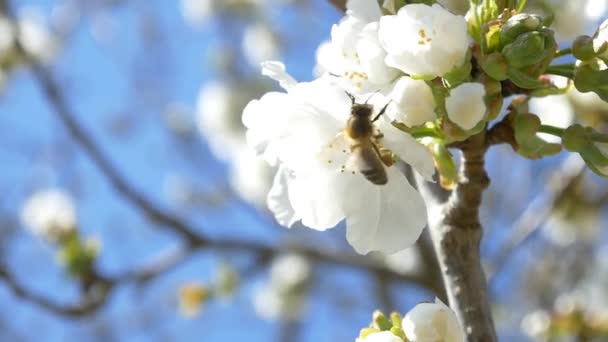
(318, 182)
(197, 12)
(49, 214)
(251, 177)
(600, 40)
(290, 270)
(587, 102)
(35, 38)
(412, 102)
(432, 322)
(381, 336)
(283, 295)
(259, 44)
(218, 118)
(573, 18)
(536, 324)
(405, 261)
(356, 55)
(564, 228)
(7, 35)
(465, 106)
(554, 110)
(424, 40)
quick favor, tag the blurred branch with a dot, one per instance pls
(99, 287)
(536, 214)
(194, 241)
(339, 4)
(88, 304)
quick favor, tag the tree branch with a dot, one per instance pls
(456, 234)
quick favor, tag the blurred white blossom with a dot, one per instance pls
(283, 295)
(7, 36)
(49, 214)
(465, 105)
(554, 110)
(218, 118)
(260, 43)
(404, 262)
(424, 40)
(432, 322)
(573, 18)
(536, 325)
(318, 182)
(35, 37)
(251, 177)
(197, 12)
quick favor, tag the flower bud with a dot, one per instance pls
(495, 65)
(530, 49)
(380, 321)
(582, 48)
(574, 138)
(590, 77)
(518, 25)
(526, 127)
(595, 154)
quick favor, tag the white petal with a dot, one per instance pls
(408, 149)
(318, 199)
(465, 105)
(278, 200)
(386, 218)
(382, 336)
(276, 71)
(432, 322)
(424, 40)
(413, 102)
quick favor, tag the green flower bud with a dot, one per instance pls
(529, 49)
(582, 48)
(380, 321)
(78, 256)
(589, 77)
(579, 139)
(479, 14)
(518, 25)
(396, 319)
(575, 138)
(525, 127)
(495, 65)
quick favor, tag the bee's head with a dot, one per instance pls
(361, 110)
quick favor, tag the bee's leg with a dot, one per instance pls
(385, 155)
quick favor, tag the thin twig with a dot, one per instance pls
(536, 214)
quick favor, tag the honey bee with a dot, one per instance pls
(368, 157)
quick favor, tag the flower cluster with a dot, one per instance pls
(393, 61)
(426, 322)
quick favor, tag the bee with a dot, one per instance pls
(368, 157)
